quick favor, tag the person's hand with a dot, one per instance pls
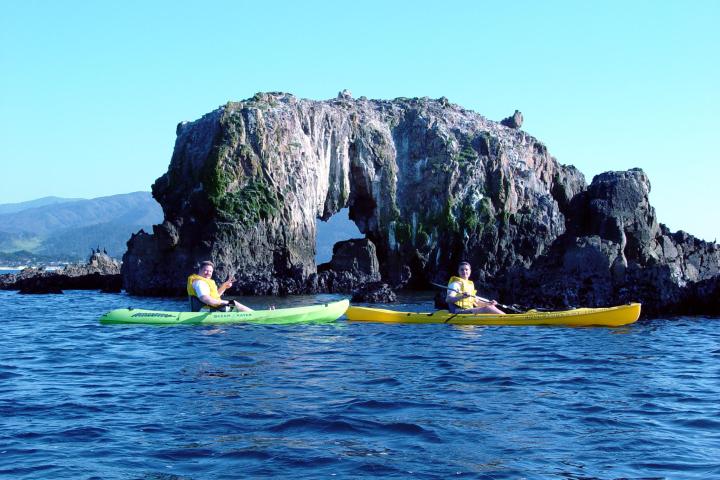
(228, 283)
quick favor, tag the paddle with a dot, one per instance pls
(485, 300)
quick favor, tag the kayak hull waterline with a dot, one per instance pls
(324, 313)
(579, 317)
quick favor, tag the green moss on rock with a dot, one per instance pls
(447, 220)
(254, 202)
(466, 155)
(470, 217)
(475, 218)
(403, 232)
(214, 178)
(229, 164)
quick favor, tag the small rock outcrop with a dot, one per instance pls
(513, 121)
(354, 263)
(101, 272)
(374, 292)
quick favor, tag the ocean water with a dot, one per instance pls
(79, 400)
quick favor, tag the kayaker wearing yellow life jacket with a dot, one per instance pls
(461, 294)
(204, 293)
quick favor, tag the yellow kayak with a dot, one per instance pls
(579, 317)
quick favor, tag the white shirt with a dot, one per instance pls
(201, 288)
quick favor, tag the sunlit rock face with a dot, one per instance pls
(428, 182)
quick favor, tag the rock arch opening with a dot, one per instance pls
(336, 229)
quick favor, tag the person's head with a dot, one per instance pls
(464, 270)
(206, 269)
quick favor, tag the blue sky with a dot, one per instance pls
(91, 92)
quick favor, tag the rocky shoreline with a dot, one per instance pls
(101, 272)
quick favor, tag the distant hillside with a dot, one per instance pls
(40, 202)
(69, 229)
(77, 242)
(129, 208)
(13, 242)
(23, 257)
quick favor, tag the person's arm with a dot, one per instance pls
(453, 293)
(227, 284)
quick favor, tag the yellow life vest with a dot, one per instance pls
(210, 283)
(466, 286)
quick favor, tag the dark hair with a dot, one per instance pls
(205, 263)
(464, 263)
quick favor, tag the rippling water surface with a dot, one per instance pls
(82, 400)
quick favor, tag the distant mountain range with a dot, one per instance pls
(40, 202)
(66, 229)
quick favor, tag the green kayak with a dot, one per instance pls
(323, 313)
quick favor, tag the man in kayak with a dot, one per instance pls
(204, 293)
(461, 296)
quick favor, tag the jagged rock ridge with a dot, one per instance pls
(615, 251)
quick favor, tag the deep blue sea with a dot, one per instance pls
(79, 400)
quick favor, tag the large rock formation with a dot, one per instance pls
(427, 182)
